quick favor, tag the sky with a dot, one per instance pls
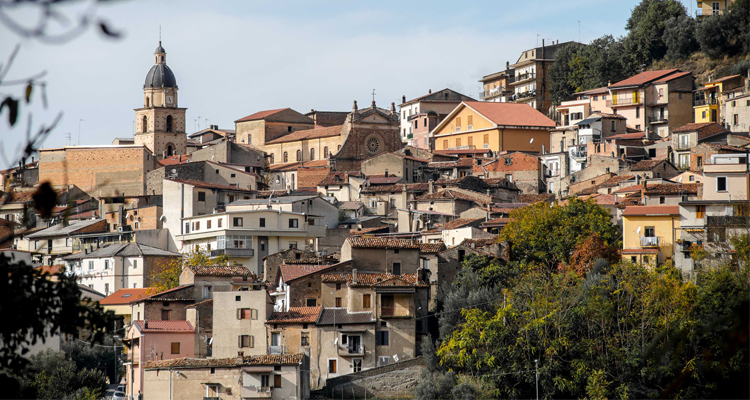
(234, 58)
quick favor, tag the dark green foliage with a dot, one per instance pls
(468, 291)
(99, 357)
(55, 377)
(714, 37)
(679, 37)
(647, 24)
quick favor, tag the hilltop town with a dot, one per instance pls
(324, 236)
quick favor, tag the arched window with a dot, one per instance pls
(299, 155)
(286, 157)
(312, 154)
(271, 158)
(145, 124)
(161, 58)
(325, 152)
(169, 150)
(169, 123)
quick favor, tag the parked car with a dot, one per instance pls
(119, 396)
(121, 388)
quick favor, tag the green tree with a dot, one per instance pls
(546, 235)
(56, 377)
(168, 275)
(646, 26)
(560, 88)
(679, 37)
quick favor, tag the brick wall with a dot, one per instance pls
(354, 150)
(309, 287)
(523, 169)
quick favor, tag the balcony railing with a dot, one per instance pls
(682, 146)
(658, 118)
(256, 392)
(275, 349)
(706, 102)
(245, 253)
(650, 241)
(352, 351)
(624, 101)
(578, 151)
(523, 77)
(492, 92)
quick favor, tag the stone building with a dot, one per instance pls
(239, 323)
(160, 123)
(420, 115)
(524, 170)
(264, 126)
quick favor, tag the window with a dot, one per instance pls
(634, 259)
(187, 227)
(426, 264)
(106, 288)
(208, 224)
(289, 129)
(292, 245)
(237, 298)
(262, 222)
(286, 157)
(272, 158)
(509, 177)
(265, 381)
(662, 200)
(135, 264)
(715, 8)
(218, 222)
(207, 292)
(247, 313)
(304, 339)
(165, 315)
(393, 202)
(470, 141)
(637, 112)
(458, 142)
(197, 225)
(692, 178)
(175, 347)
(396, 268)
(699, 161)
(700, 211)
(357, 365)
(383, 360)
(331, 366)
(277, 381)
(445, 143)
(325, 152)
(381, 338)
(312, 154)
(246, 341)
(312, 303)
(721, 183)
(293, 223)
(638, 127)
(237, 221)
(469, 121)
(338, 302)
(508, 161)
(614, 128)
(736, 119)
(366, 301)
(703, 114)
(649, 231)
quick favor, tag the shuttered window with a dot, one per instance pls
(246, 341)
(175, 347)
(247, 313)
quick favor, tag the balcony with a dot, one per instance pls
(682, 146)
(625, 101)
(658, 119)
(390, 312)
(352, 351)
(256, 392)
(578, 151)
(706, 102)
(241, 253)
(523, 95)
(524, 77)
(494, 92)
(650, 241)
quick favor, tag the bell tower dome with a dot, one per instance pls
(160, 123)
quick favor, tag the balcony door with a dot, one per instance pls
(386, 301)
(262, 251)
(354, 343)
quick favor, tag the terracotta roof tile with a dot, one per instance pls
(296, 315)
(261, 115)
(457, 194)
(646, 165)
(431, 248)
(363, 231)
(228, 270)
(382, 243)
(616, 180)
(171, 326)
(295, 271)
(309, 134)
(383, 180)
(673, 188)
(511, 114)
(207, 185)
(267, 359)
(673, 76)
(627, 136)
(535, 198)
(643, 77)
(125, 296)
(373, 279)
(651, 210)
(410, 187)
(704, 129)
(479, 243)
(455, 224)
(496, 222)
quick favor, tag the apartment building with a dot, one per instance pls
(650, 233)
(420, 115)
(709, 102)
(496, 87)
(688, 136)
(530, 82)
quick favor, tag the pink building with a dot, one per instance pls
(155, 341)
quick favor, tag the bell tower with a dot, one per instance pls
(160, 123)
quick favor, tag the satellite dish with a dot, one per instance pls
(638, 230)
(531, 141)
(163, 218)
(395, 357)
(679, 179)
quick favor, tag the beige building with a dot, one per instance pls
(281, 376)
(531, 84)
(239, 323)
(160, 123)
(264, 126)
(726, 177)
(396, 256)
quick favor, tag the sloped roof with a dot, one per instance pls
(535, 198)
(296, 315)
(124, 296)
(207, 185)
(455, 224)
(290, 272)
(261, 114)
(673, 188)
(627, 136)
(431, 248)
(350, 205)
(643, 78)
(344, 317)
(309, 134)
(453, 194)
(228, 270)
(61, 230)
(383, 180)
(511, 114)
(651, 210)
(704, 129)
(123, 250)
(479, 243)
(171, 326)
(382, 243)
(616, 180)
(673, 77)
(646, 165)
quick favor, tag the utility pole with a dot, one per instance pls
(114, 351)
(536, 367)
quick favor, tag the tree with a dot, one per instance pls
(560, 88)
(168, 276)
(545, 235)
(56, 377)
(646, 26)
(715, 36)
(679, 37)
(591, 250)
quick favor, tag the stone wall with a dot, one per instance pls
(155, 178)
(333, 240)
(389, 381)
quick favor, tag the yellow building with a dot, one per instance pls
(649, 233)
(494, 126)
(706, 8)
(709, 101)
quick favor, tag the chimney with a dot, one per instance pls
(145, 323)
(507, 65)
(429, 91)
(354, 276)
(403, 99)
(431, 187)
(393, 108)
(32, 159)
(354, 108)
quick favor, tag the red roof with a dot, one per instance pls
(261, 114)
(651, 210)
(511, 114)
(643, 78)
(673, 77)
(633, 135)
(165, 326)
(704, 129)
(125, 296)
(640, 251)
(309, 134)
(178, 159)
(296, 271)
(296, 315)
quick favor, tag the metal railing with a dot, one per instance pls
(351, 351)
(706, 102)
(658, 118)
(275, 349)
(625, 101)
(233, 252)
(485, 94)
(522, 77)
(682, 146)
(650, 241)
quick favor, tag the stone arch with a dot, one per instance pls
(170, 123)
(325, 152)
(170, 149)
(145, 124)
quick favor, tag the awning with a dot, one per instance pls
(260, 368)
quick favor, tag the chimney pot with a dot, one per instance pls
(355, 278)
(403, 99)
(429, 91)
